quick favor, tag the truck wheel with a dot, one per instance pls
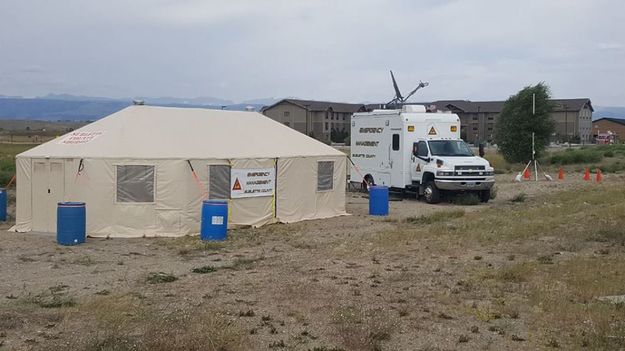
(484, 196)
(367, 182)
(431, 193)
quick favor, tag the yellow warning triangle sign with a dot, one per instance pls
(237, 185)
(432, 131)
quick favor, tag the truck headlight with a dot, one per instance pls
(444, 173)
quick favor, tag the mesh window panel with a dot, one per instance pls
(135, 183)
(218, 182)
(325, 175)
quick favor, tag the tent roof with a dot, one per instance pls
(149, 132)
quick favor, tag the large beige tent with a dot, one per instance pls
(133, 169)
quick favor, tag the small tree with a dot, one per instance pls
(514, 128)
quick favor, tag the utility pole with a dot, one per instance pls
(566, 124)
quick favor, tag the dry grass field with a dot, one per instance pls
(527, 271)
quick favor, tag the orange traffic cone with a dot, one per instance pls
(599, 177)
(527, 174)
(587, 174)
(561, 174)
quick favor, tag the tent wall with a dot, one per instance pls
(176, 209)
(298, 198)
(23, 195)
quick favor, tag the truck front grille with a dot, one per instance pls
(470, 168)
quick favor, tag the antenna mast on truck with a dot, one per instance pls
(399, 100)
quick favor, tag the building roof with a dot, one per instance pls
(614, 120)
(571, 104)
(467, 106)
(150, 132)
(312, 105)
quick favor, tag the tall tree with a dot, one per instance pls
(516, 123)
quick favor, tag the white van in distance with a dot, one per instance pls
(411, 150)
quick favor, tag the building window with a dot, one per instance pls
(395, 142)
(475, 118)
(490, 118)
(287, 113)
(135, 183)
(326, 125)
(325, 175)
(474, 128)
(288, 124)
(218, 182)
(343, 117)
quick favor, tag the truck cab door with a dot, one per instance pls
(420, 158)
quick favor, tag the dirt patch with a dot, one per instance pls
(505, 275)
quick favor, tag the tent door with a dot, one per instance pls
(48, 188)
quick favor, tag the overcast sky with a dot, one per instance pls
(335, 50)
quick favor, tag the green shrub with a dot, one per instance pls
(519, 198)
(571, 156)
(204, 269)
(436, 217)
(160, 277)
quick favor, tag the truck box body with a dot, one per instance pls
(384, 146)
(371, 133)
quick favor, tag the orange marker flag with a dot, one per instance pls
(561, 174)
(599, 177)
(527, 174)
(587, 174)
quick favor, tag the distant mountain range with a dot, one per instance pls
(66, 107)
(609, 111)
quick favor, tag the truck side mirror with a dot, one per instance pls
(415, 150)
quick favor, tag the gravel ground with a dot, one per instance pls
(303, 282)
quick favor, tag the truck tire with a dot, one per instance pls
(367, 182)
(484, 195)
(431, 193)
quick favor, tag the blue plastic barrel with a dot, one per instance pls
(214, 220)
(378, 200)
(3, 204)
(71, 223)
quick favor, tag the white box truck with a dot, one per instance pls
(411, 150)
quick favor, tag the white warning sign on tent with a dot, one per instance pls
(79, 137)
(252, 182)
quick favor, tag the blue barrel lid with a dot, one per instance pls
(215, 202)
(71, 204)
(378, 187)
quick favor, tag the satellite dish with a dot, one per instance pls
(399, 99)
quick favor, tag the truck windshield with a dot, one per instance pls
(449, 148)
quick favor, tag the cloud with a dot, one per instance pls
(36, 69)
(320, 49)
(609, 46)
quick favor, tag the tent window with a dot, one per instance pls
(325, 175)
(218, 182)
(135, 183)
